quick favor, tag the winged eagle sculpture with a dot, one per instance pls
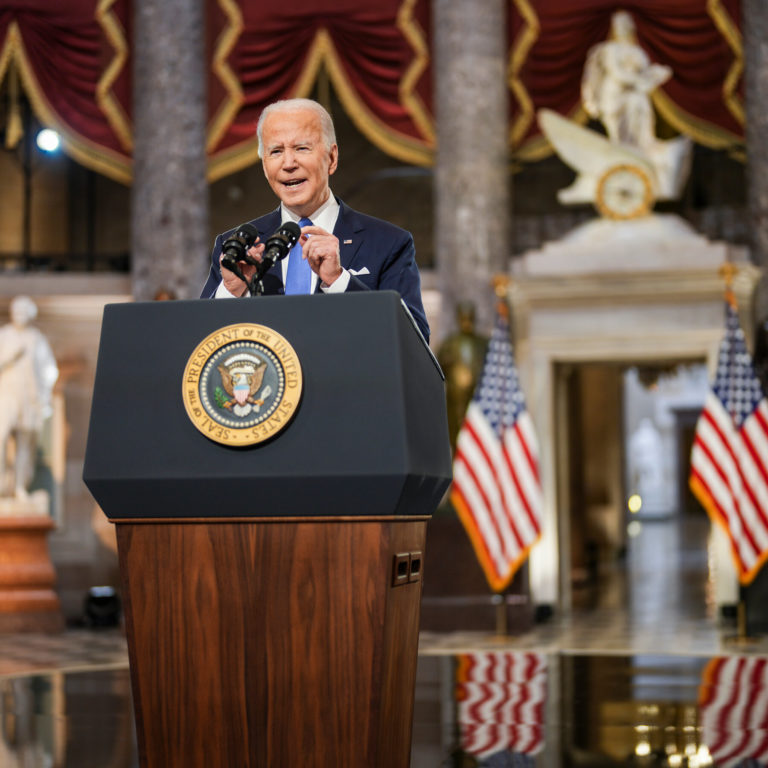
(241, 378)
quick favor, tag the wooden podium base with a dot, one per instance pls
(263, 643)
(28, 602)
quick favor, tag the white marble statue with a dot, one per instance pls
(616, 86)
(616, 89)
(28, 372)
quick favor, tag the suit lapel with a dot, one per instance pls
(350, 231)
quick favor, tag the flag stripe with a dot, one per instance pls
(482, 544)
(725, 467)
(739, 460)
(527, 482)
(482, 513)
(504, 498)
(487, 488)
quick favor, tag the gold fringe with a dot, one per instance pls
(413, 33)
(497, 582)
(703, 132)
(312, 65)
(521, 47)
(730, 32)
(107, 102)
(322, 52)
(706, 501)
(234, 159)
(235, 97)
(14, 130)
(86, 152)
(6, 52)
(395, 144)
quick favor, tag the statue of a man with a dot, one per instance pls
(461, 357)
(28, 372)
(618, 78)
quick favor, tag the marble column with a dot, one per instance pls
(169, 217)
(472, 191)
(755, 30)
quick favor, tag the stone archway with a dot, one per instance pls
(643, 290)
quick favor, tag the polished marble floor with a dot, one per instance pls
(641, 673)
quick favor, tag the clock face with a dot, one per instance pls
(624, 192)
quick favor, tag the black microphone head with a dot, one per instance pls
(292, 229)
(247, 233)
(280, 243)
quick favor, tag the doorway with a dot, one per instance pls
(633, 537)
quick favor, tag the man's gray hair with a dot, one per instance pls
(293, 105)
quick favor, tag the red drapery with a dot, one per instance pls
(73, 60)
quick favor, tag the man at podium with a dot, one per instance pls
(339, 249)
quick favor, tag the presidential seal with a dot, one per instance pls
(242, 384)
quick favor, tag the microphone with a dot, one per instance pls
(277, 247)
(235, 247)
(281, 242)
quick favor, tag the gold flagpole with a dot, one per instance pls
(500, 285)
(728, 272)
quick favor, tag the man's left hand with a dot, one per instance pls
(321, 250)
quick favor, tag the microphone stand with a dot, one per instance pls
(255, 285)
(269, 258)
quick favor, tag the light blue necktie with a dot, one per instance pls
(298, 278)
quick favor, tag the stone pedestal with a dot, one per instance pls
(28, 602)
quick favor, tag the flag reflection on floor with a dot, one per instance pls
(500, 704)
(733, 709)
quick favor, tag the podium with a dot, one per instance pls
(272, 589)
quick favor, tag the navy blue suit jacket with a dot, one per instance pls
(379, 256)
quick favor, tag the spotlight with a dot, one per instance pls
(48, 140)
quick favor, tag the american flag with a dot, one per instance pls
(496, 489)
(500, 702)
(733, 710)
(730, 453)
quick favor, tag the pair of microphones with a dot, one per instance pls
(277, 247)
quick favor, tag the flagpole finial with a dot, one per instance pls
(728, 272)
(501, 285)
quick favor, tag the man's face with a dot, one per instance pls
(296, 161)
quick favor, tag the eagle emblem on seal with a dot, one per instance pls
(241, 378)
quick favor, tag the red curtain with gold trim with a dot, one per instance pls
(698, 39)
(73, 60)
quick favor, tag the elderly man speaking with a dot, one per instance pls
(340, 249)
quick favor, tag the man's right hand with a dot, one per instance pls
(231, 281)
